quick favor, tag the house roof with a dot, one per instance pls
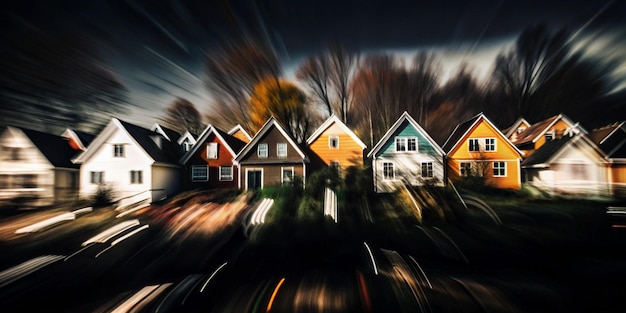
(611, 139)
(537, 130)
(333, 119)
(551, 149)
(187, 134)
(387, 136)
(271, 122)
(238, 127)
(168, 133)
(234, 145)
(513, 128)
(54, 148)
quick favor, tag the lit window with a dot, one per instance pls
(427, 169)
(211, 150)
(499, 169)
(465, 169)
(490, 144)
(473, 145)
(333, 142)
(287, 176)
(281, 150)
(97, 177)
(199, 173)
(118, 151)
(136, 177)
(226, 173)
(388, 171)
(262, 150)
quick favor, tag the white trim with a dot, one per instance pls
(569, 122)
(279, 144)
(406, 144)
(201, 139)
(432, 169)
(232, 172)
(186, 135)
(393, 167)
(258, 151)
(395, 126)
(266, 127)
(282, 176)
(71, 134)
(208, 150)
(255, 169)
(239, 127)
(493, 168)
(334, 119)
(158, 129)
(330, 140)
(199, 166)
(516, 125)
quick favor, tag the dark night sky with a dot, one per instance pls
(157, 47)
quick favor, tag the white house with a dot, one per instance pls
(137, 163)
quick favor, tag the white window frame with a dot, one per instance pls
(477, 144)
(259, 150)
(209, 147)
(100, 177)
(551, 134)
(469, 167)
(408, 146)
(187, 146)
(281, 150)
(136, 177)
(393, 171)
(226, 178)
(429, 169)
(503, 168)
(332, 139)
(118, 153)
(282, 174)
(404, 141)
(495, 145)
(193, 176)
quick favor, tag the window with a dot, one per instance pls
(473, 145)
(281, 150)
(520, 130)
(427, 169)
(97, 177)
(490, 144)
(136, 177)
(187, 146)
(226, 173)
(411, 144)
(211, 150)
(499, 169)
(118, 151)
(406, 144)
(199, 173)
(400, 144)
(333, 142)
(262, 150)
(287, 176)
(388, 172)
(549, 136)
(465, 169)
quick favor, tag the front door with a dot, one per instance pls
(254, 179)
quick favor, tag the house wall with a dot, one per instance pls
(165, 181)
(617, 179)
(272, 173)
(272, 137)
(407, 165)
(224, 158)
(348, 154)
(117, 169)
(558, 128)
(484, 160)
(29, 162)
(66, 184)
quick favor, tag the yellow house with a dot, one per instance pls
(335, 145)
(612, 140)
(477, 147)
(536, 135)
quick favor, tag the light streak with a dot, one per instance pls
(212, 275)
(372, 258)
(269, 304)
(128, 305)
(16, 272)
(46, 223)
(118, 240)
(111, 232)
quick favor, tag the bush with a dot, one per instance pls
(103, 196)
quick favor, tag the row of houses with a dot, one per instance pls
(555, 155)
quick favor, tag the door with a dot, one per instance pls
(254, 179)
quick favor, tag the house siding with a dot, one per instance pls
(272, 138)
(558, 128)
(272, 173)
(224, 158)
(349, 153)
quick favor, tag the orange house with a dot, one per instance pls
(612, 140)
(478, 148)
(536, 135)
(335, 145)
(517, 128)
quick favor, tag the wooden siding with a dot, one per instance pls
(504, 152)
(272, 173)
(407, 130)
(272, 137)
(349, 152)
(558, 128)
(224, 158)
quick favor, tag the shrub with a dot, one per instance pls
(103, 196)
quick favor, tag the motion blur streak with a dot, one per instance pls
(367, 302)
(46, 223)
(118, 240)
(422, 271)
(269, 304)
(14, 273)
(136, 298)
(211, 277)
(112, 232)
(372, 258)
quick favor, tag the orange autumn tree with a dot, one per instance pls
(283, 100)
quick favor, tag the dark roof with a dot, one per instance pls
(172, 134)
(169, 151)
(85, 138)
(545, 152)
(611, 139)
(458, 132)
(231, 141)
(54, 148)
(533, 131)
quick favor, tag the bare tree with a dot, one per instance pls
(181, 116)
(423, 83)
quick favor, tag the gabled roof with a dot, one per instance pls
(611, 139)
(168, 133)
(167, 153)
(238, 127)
(271, 122)
(81, 138)
(513, 128)
(461, 130)
(54, 148)
(537, 130)
(404, 117)
(234, 145)
(186, 135)
(333, 119)
(548, 152)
